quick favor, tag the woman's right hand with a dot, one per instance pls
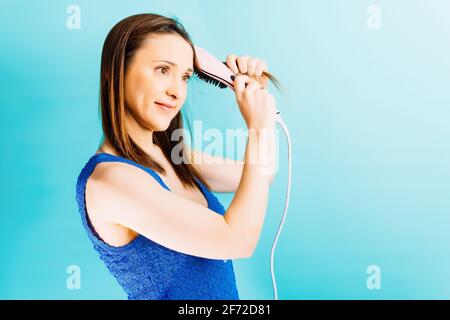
(256, 104)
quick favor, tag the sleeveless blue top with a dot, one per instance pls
(148, 270)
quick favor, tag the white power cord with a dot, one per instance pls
(286, 203)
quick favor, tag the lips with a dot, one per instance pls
(165, 105)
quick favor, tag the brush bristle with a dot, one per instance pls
(210, 80)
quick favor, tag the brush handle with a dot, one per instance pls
(233, 75)
(264, 73)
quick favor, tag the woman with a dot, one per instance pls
(156, 225)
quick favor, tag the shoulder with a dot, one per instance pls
(110, 171)
(112, 185)
(116, 172)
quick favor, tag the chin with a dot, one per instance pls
(162, 125)
(158, 123)
(161, 121)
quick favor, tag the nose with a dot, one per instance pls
(175, 89)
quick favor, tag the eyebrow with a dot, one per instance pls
(172, 63)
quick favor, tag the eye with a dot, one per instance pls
(187, 78)
(164, 69)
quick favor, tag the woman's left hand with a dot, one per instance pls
(252, 67)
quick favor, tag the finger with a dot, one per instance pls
(252, 87)
(262, 66)
(242, 63)
(231, 62)
(263, 81)
(251, 67)
(239, 84)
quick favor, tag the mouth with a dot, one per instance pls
(165, 106)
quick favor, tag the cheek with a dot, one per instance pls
(141, 91)
(133, 91)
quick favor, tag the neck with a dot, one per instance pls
(141, 136)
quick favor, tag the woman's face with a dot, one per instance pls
(158, 74)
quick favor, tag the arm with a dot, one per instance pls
(224, 174)
(123, 194)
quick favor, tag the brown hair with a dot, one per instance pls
(119, 48)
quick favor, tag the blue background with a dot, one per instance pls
(368, 112)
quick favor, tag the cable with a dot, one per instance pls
(286, 204)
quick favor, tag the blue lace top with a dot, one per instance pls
(148, 270)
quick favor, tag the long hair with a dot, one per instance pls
(119, 48)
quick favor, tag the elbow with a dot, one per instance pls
(250, 248)
(273, 174)
(245, 242)
(250, 253)
(272, 177)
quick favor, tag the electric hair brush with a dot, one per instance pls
(216, 72)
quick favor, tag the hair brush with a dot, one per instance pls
(212, 70)
(216, 72)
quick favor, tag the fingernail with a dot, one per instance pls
(233, 77)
